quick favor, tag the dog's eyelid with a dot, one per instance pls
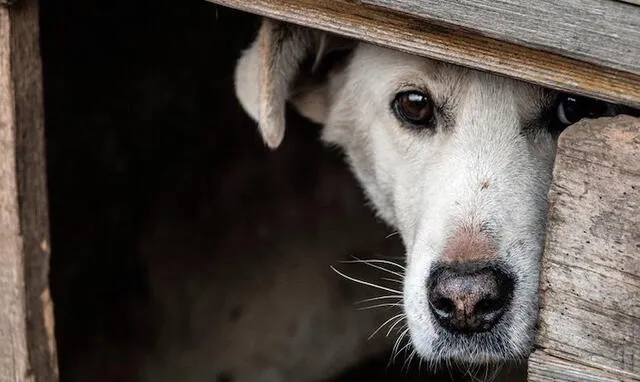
(406, 85)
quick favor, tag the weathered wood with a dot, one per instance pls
(414, 35)
(545, 367)
(27, 345)
(603, 32)
(590, 285)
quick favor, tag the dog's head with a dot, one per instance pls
(459, 161)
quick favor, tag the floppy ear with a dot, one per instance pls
(271, 71)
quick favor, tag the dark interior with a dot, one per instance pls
(141, 121)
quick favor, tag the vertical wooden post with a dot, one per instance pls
(590, 282)
(27, 345)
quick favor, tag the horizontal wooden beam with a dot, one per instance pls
(603, 32)
(383, 27)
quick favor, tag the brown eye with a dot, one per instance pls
(413, 107)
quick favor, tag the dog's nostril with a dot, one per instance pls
(444, 307)
(468, 298)
(489, 306)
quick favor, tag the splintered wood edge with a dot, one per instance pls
(413, 35)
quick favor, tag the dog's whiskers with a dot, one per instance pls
(373, 263)
(395, 324)
(365, 282)
(385, 323)
(409, 359)
(391, 280)
(392, 234)
(420, 359)
(380, 306)
(396, 346)
(399, 297)
(404, 348)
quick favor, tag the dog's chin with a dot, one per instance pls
(491, 347)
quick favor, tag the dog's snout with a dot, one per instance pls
(469, 298)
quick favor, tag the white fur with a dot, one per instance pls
(246, 81)
(428, 184)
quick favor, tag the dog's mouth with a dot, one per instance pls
(478, 348)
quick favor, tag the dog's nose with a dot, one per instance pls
(469, 298)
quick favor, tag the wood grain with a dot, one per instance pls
(544, 367)
(590, 285)
(27, 345)
(414, 35)
(603, 32)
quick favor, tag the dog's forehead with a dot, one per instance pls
(386, 71)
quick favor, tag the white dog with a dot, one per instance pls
(458, 161)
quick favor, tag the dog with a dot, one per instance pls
(459, 161)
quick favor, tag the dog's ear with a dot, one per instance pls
(286, 62)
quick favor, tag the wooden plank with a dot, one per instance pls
(590, 309)
(544, 367)
(603, 32)
(27, 345)
(414, 35)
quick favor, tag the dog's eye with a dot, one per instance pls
(413, 107)
(573, 108)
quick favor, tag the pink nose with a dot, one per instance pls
(468, 243)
